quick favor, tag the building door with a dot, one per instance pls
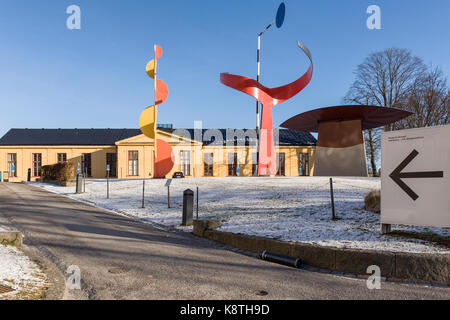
(232, 164)
(111, 160)
(37, 164)
(254, 164)
(281, 168)
(185, 163)
(208, 164)
(86, 164)
(133, 163)
(303, 164)
(12, 164)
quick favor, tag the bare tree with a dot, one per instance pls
(428, 99)
(383, 79)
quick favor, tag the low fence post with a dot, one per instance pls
(143, 193)
(197, 204)
(332, 200)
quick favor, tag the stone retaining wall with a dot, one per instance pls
(394, 265)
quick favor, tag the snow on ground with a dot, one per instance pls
(18, 272)
(284, 208)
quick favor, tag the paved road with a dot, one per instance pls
(161, 264)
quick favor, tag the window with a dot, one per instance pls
(254, 164)
(37, 164)
(303, 164)
(232, 164)
(281, 169)
(185, 162)
(86, 164)
(12, 164)
(62, 157)
(111, 160)
(208, 164)
(133, 163)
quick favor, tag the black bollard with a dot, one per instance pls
(29, 175)
(188, 206)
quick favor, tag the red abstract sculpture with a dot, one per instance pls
(268, 97)
(148, 121)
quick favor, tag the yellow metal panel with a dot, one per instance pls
(147, 122)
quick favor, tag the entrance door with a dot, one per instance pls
(208, 165)
(281, 169)
(303, 164)
(232, 164)
(111, 160)
(86, 164)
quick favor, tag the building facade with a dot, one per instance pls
(130, 155)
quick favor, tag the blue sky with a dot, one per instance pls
(52, 77)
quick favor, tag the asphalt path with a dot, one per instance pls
(120, 258)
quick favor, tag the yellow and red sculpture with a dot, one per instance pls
(148, 121)
(268, 97)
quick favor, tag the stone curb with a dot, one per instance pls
(11, 238)
(398, 265)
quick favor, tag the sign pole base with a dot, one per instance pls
(385, 228)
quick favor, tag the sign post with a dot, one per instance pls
(143, 193)
(168, 182)
(415, 177)
(108, 168)
(333, 214)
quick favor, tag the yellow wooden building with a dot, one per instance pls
(130, 154)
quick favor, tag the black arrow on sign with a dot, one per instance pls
(397, 175)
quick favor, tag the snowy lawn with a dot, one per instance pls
(284, 208)
(18, 272)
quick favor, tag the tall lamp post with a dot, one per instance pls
(279, 22)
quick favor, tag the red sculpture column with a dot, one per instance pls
(268, 97)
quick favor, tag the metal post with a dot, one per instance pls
(107, 185)
(332, 199)
(258, 56)
(168, 197)
(143, 193)
(197, 203)
(84, 180)
(258, 61)
(385, 228)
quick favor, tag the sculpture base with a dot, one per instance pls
(340, 149)
(350, 161)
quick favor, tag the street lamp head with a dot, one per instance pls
(280, 15)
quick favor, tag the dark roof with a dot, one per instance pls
(230, 136)
(66, 137)
(108, 137)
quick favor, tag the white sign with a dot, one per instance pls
(415, 177)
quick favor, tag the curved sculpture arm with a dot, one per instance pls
(269, 96)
